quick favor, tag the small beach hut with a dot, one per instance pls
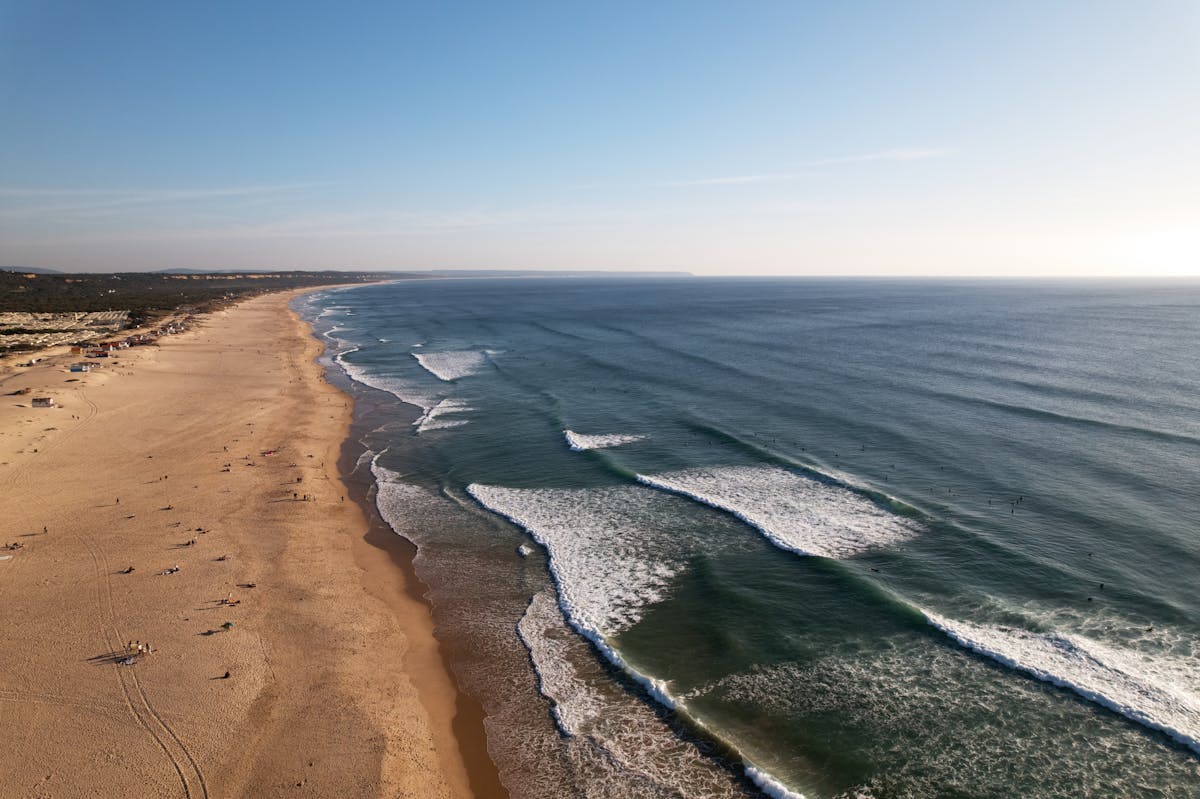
(43, 402)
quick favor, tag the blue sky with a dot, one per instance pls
(1015, 138)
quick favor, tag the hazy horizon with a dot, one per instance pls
(937, 140)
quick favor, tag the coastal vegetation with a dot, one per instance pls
(148, 295)
(137, 298)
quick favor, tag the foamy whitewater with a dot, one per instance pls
(450, 366)
(606, 561)
(581, 442)
(1124, 682)
(433, 419)
(798, 538)
(795, 513)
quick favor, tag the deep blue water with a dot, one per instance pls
(834, 538)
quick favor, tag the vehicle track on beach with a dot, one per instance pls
(191, 776)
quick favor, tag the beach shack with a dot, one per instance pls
(43, 402)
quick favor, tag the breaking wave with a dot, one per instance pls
(433, 419)
(607, 566)
(581, 441)
(1140, 688)
(793, 512)
(451, 365)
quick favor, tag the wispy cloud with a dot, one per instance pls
(21, 201)
(734, 180)
(803, 169)
(377, 224)
(896, 154)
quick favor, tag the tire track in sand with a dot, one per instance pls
(191, 776)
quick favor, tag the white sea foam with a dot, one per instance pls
(1150, 691)
(433, 419)
(581, 441)
(610, 559)
(366, 457)
(571, 703)
(768, 784)
(606, 553)
(794, 512)
(401, 389)
(605, 727)
(352, 370)
(450, 365)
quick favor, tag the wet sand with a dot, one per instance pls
(211, 442)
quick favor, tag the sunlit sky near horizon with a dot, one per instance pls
(858, 138)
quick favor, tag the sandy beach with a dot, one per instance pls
(187, 496)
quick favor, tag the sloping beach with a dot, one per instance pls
(186, 496)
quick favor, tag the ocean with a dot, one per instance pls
(804, 537)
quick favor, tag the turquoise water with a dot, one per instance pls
(713, 537)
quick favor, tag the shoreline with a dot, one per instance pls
(160, 501)
(383, 543)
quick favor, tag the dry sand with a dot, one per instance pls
(336, 685)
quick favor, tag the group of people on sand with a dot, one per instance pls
(134, 650)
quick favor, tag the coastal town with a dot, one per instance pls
(82, 337)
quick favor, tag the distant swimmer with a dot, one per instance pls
(875, 570)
